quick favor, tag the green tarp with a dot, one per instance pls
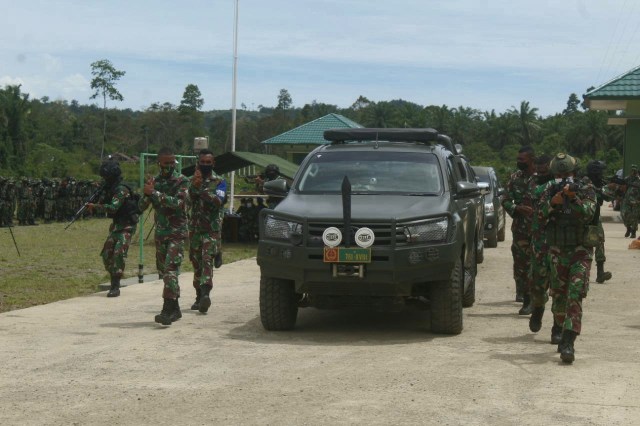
(232, 161)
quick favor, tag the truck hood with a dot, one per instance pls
(374, 207)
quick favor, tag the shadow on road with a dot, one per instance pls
(352, 328)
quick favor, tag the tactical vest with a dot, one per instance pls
(128, 213)
(564, 230)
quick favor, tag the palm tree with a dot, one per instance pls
(528, 119)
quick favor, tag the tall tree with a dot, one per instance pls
(284, 102)
(528, 119)
(191, 99)
(105, 76)
(572, 104)
(15, 107)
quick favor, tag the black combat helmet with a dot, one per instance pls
(272, 171)
(595, 170)
(110, 170)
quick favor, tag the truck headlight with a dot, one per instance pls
(430, 231)
(279, 229)
(488, 208)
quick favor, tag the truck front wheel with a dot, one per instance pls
(278, 304)
(446, 302)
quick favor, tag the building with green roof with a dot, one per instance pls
(621, 94)
(296, 143)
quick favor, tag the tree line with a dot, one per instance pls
(44, 138)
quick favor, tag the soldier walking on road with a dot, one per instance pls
(595, 172)
(167, 193)
(121, 206)
(207, 193)
(517, 203)
(567, 209)
(539, 266)
(630, 209)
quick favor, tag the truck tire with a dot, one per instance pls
(278, 304)
(446, 303)
(469, 297)
(492, 240)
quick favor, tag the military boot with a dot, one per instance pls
(114, 291)
(626, 234)
(205, 300)
(567, 353)
(602, 275)
(526, 305)
(217, 261)
(176, 314)
(535, 322)
(196, 304)
(556, 334)
(633, 233)
(164, 317)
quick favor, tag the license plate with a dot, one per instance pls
(347, 255)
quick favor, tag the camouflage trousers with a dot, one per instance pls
(539, 275)
(169, 254)
(521, 251)
(49, 213)
(115, 249)
(569, 283)
(203, 248)
(600, 256)
(630, 212)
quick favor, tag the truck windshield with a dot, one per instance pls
(377, 172)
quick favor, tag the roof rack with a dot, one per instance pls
(337, 136)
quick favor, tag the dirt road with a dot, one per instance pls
(94, 360)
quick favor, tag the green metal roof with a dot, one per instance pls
(625, 86)
(311, 133)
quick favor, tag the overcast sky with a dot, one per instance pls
(485, 54)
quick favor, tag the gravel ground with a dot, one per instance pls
(93, 360)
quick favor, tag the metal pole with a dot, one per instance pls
(233, 99)
(143, 158)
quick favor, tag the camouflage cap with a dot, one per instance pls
(634, 167)
(563, 163)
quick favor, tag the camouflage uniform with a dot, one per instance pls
(169, 201)
(49, 195)
(570, 260)
(8, 196)
(630, 209)
(114, 251)
(205, 227)
(26, 203)
(539, 265)
(519, 190)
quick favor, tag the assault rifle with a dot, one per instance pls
(92, 199)
(559, 187)
(619, 181)
(252, 178)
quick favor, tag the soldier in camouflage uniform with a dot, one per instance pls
(630, 209)
(517, 203)
(120, 205)
(9, 202)
(595, 172)
(3, 184)
(567, 208)
(48, 195)
(167, 193)
(271, 172)
(539, 265)
(207, 192)
(26, 203)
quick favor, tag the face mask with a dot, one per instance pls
(206, 169)
(522, 166)
(167, 171)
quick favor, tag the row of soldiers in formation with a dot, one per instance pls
(556, 227)
(27, 200)
(187, 212)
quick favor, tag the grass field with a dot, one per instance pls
(56, 264)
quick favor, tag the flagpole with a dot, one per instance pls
(233, 98)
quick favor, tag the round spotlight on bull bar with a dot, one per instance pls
(365, 237)
(332, 237)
